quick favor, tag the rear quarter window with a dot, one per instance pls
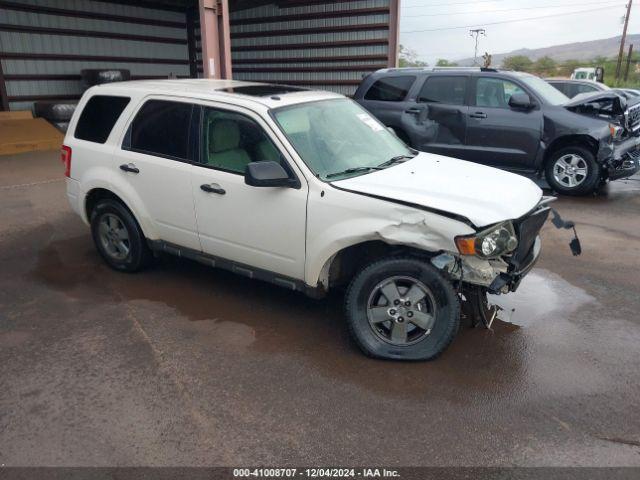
(390, 89)
(99, 116)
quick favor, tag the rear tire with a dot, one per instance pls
(403, 309)
(118, 237)
(573, 170)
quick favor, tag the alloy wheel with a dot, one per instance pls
(401, 310)
(570, 170)
(114, 237)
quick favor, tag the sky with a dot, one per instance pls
(601, 19)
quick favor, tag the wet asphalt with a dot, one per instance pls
(186, 365)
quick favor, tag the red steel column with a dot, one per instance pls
(394, 32)
(215, 38)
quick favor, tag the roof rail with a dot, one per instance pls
(439, 69)
(466, 69)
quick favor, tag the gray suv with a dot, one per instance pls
(509, 120)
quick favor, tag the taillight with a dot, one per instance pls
(65, 158)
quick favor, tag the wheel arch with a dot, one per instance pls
(341, 267)
(582, 140)
(95, 194)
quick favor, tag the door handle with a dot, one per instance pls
(478, 115)
(212, 188)
(129, 167)
(413, 111)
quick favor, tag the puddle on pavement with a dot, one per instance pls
(259, 318)
(541, 296)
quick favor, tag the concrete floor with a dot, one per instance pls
(185, 365)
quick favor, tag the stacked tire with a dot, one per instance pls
(95, 76)
(59, 113)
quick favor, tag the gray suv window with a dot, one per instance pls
(443, 89)
(390, 89)
(495, 92)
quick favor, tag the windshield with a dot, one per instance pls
(548, 92)
(339, 139)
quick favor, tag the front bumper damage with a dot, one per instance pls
(621, 159)
(500, 275)
(497, 276)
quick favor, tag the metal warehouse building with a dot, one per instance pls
(45, 44)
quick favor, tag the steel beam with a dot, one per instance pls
(215, 38)
(394, 32)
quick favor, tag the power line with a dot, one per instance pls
(507, 10)
(447, 4)
(511, 21)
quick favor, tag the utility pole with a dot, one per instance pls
(622, 40)
(476, 32)
(626, 71)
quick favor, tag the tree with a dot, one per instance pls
(409, 58)
(568, 66)
(598, 61)
(519, 63)
(545, 66)
(442, 62)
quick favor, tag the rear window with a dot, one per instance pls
(446, 90)
(390, 89)
(99, 116)
(161, 128)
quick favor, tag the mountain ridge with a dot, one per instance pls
(605, 47)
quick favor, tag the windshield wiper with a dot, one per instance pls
(396, 159)
(353, 170)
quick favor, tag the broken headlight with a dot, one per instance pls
(490, 243)
(615, 131)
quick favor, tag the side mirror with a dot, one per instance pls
(268, 174)
(521, 101)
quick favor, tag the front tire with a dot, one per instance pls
(118, 237)
(573, 170)
(402, 308)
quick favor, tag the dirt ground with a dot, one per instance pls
(186, 365)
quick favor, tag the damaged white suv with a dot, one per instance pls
(303, 189)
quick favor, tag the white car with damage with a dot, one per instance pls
(303, 189)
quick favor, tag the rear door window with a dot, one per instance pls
(390, 89)
(448, 90)
(161, 128)
(99, 116)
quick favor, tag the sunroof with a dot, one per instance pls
(262, 90)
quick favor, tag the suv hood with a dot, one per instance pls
(616, 103)
(483, 195)
(608, 106)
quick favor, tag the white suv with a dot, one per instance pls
(304, 189)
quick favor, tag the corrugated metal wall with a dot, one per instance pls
(45, 43)
(328, 45)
